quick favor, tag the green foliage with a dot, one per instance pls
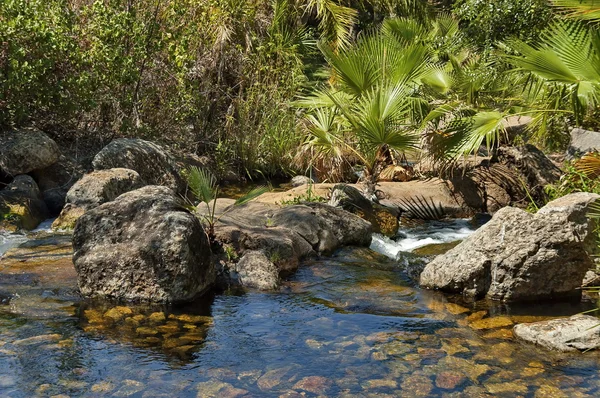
(564, 70)
(487, 22)
(205, 189)
(188, 73)
(588, 10)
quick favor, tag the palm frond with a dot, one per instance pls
(202, 183)
(589, 165)
(588, 10)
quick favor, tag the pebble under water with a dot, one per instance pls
(348, 325)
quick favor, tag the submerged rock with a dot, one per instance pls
(22, 151)
(520, 256)
(579, 332)
(152, 162)
(145, 246)
(22, 205)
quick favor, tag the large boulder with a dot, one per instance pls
(583, 141)
(143, 246)
(520, 256)
(21, 205)
(283, 236)
(22, 151)
(155, 165)
(55, 181)
(94, 189)
(577, 333)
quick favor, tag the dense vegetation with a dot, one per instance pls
(273, 86)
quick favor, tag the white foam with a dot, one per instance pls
(423, 235)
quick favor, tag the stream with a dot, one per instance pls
(349, 325)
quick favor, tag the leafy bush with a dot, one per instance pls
(486, 22)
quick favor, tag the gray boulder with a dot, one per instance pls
(577, 333)
(256, 271)
(152, 162)
(22, 205)
(520, 256)
(298, 181)
(583, 141)
(143, 246)
(22, 151)
(94, 189)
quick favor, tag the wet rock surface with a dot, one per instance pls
(579, 332)
(142, 246)
(21, 205)
(520, 256)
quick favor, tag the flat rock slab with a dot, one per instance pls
(44, 262)
(579, 332)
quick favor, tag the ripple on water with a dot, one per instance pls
(349, 325)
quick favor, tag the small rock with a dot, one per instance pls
(118, 313)
(456, 309)
(272, 378)
(417, 386)
(379, 383)
(491, 323)
(46, 338)
(314, 384)
(449, 380)
(509, 387)
(157, 317)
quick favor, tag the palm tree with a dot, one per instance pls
(588, 10)
(370, 110)
(563, 70)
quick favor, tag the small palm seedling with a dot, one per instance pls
(205, 189)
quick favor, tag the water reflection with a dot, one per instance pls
(350, 325)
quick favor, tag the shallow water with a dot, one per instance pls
(349, 325)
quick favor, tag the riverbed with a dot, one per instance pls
(353, 324)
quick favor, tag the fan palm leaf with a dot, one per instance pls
(588, 10)
(202, 183)
(589, 165)
(565, 66)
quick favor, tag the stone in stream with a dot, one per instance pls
(284, 236)
(155, 165)
(143, 246)
(22, 205)
(521, 256)
(93, 190)
(579, 332)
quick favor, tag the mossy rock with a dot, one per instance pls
(435, 249)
